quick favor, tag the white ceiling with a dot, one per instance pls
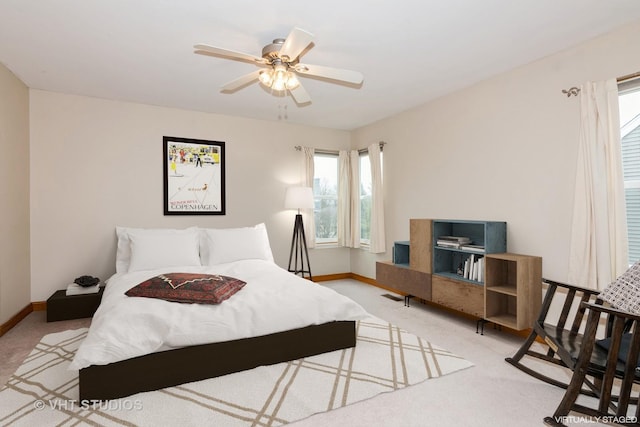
(409, 51)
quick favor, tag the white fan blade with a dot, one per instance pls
(295, 43)
(204, 49)
(300, 95)
(348, 76)
(241, 81)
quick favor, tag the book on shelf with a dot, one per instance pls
(456, 239)
(473, 275)
(474, 268)
(473, 248)
(448, 244)
(468, 267)
(455, 242)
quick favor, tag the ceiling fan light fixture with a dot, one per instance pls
(279, 77)
(278, 85)
(281, 60)
(292, 81)
(266, 77)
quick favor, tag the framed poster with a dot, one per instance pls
(193, 176)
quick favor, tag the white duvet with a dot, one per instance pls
(273, 300)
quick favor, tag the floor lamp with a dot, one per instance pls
(299, 198)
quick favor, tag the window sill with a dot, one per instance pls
(327, 245)
(335, 245)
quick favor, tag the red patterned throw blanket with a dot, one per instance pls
(188, 288)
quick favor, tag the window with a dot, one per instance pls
(325, 194)
(365, 199)
(629, 99)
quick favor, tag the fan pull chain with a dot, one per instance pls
(280, 114)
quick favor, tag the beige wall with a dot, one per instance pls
(504, 149)
(96, 164)
(14, 195)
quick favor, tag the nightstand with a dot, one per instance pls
(63, 307)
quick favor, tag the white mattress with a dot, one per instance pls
(273, 300)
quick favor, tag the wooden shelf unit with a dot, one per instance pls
(410, 270)
(513, 289)
(458, 295)
(491, 235)
(448, 287)
(404, 279)
(510, 293)
(401, 250)
(420, 244)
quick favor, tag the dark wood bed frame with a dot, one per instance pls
(173, 367)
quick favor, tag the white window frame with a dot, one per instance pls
(325, 241)
(333, 241)
(626, 88)
(363, 156)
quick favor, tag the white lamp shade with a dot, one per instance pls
(298, 198)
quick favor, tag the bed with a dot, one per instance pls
(142, 343)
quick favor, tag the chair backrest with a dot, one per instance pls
(569, 297)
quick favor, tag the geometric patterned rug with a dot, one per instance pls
(44, 392)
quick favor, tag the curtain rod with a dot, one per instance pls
(628, 83)
(324, 151)
(628, 77)
(574, 91)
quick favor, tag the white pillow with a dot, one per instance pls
(123, 253)
(150, 251)
(221, 245)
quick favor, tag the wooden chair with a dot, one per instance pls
(614, 366)
(562, 335)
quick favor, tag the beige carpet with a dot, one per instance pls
(386, 358)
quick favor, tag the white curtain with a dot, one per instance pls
(377, 239)
(309, 220)
(344, 198)
(349, 199)
(599, 243)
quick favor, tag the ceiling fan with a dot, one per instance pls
(280, 66)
